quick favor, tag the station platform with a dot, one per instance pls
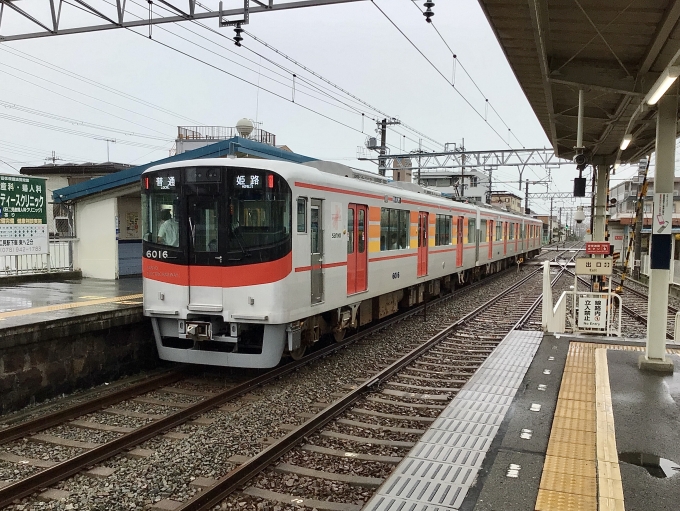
(57, 337)
(36, 302)
(549, 423)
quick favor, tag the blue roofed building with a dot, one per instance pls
(107, 209)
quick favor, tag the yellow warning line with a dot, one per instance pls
(608, 473)
(72, 305)
(581, 467)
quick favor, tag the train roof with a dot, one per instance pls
(346, 178)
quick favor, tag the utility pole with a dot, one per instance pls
(54, 158)
(526, 198)
(550, 222)
(420, 143)
(382, 160)
(559, 225)
(488, 198)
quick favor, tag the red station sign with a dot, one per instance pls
(597, 247)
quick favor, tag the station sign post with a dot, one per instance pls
(594, 310)
(23, 216)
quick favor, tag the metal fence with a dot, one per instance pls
(675, 268)
(60, 259)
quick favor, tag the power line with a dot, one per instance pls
(312, 85)
(459, 63)
(85, 79)
(438, 71)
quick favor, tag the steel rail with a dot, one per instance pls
(237, 478)
(49, 420)
(67, 468)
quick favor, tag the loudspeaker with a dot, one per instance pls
(579, 187)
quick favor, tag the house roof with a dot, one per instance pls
(237, 146)
(74, 169)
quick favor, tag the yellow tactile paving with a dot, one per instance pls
(72, 305)
(581, 467)
(558, 501)
(570, 466)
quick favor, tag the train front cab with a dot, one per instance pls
(217, 247)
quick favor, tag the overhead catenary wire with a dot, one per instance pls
(458, 63)
(481, 116)
(290, 74)
(95, 83)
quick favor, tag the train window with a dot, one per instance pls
(512, 231)
(442, 231)
(302, 214)
(361, 226)
(499, 231)
(394, 227)
(350, 230)
(472, 230)
(203, 225)
(482, 231)
(160, 218)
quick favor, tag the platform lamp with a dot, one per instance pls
(662, 84)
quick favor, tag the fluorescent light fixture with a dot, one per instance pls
(662, 84)
(626, 142)
(617, 164)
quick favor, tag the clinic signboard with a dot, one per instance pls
(23, 215)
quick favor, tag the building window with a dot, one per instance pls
(472, 231)
(474, 181)
(302, 214)
(394, 226)
(442, 232)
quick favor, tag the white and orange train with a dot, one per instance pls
(247, 260)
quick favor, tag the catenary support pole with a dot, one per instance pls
(660, 242)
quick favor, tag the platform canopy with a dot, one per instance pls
(615, 50)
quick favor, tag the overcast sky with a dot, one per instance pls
(353, 45)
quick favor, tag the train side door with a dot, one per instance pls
(357, 253)
(423, 226)
(203, 213)
(505, 237)
(316, 242)
(459, 241)
(490, 223)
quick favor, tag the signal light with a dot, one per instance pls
(270, 181)
(429, 4)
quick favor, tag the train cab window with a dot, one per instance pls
(203, 225)
(160, 206)
(472, 231)
(482, 231)
(442, 231)
(394, 227)
(302, 214)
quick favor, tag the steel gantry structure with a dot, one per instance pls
(48, 14)
(473, 159)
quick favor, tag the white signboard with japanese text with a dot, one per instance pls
(22, 239)
(594, 265)
(592, 312)
(23, 215)
(662, 219)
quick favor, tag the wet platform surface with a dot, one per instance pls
(35, 302)
(578, 405)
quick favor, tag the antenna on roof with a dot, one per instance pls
(54, 158)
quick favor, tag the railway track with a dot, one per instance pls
(188, 399)
(367, 430)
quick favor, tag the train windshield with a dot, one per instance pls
(217, 215)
